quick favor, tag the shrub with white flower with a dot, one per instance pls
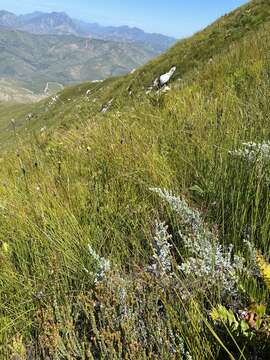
(185, 354)
(162, 259)
(102, 265)
(53, 100)
(253, 152)
(207, 261)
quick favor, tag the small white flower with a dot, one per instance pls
(253, 152)
(162, 254)
(207, 259)
(102, 265)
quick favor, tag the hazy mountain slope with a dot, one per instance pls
(158, 42)
(61, 24)
(37, 59)
(54, 24)
(7, 18)
(15, 92)
(82, 231)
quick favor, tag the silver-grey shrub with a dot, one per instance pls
(162, 257)
(253, 152)
(206, 261)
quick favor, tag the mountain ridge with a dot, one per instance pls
(59, 23)
(34, 60)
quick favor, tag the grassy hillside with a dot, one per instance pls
(196, 289)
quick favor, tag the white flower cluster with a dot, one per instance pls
(207, 259)
(102, 265)
(185, 354)
(211, 262)
(53, 100)
(162, 254)
(253, 152)
(189, 216)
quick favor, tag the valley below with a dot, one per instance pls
(37, 49)
(10, 91)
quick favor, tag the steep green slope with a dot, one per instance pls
(193, 53)
(190, 56)
(85, 179)
(9, 111)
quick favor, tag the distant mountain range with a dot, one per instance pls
(30, 61)
(40, 52)
(59, 23)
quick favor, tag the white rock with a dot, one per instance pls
(106, 107)
(156, 82)
(165, 78)
(164, 90)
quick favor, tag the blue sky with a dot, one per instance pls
(173, 17)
